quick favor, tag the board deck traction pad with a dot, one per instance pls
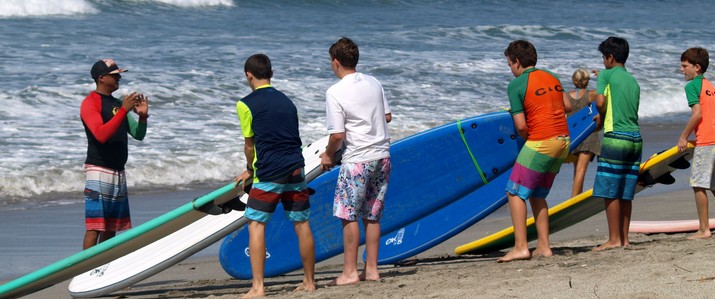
(454, 218)
(418, 167)
(582, 206)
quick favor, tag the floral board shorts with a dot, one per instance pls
(361, 188)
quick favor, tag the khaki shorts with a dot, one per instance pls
(701, 175)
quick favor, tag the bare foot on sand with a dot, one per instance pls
(373, 277)
(514, 255)
(606, 246)
(305, 287)
(542, 252)
(700, 235)
(254, 293)
(344, 281)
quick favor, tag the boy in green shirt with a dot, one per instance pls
(617, 99)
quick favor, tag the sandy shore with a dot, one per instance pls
(656, 266)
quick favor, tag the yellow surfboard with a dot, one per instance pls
(583, 206)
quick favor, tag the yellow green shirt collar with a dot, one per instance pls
(263, 86)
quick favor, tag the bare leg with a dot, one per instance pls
(372, 245)
(257, 251)
(351, 242)
(90, 239)
(517, 209)
(541, 215)
(307, 255)
(579, 169)
(613, 217)
(701, 203)
(626, 209)
(104, 236)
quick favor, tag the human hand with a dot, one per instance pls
(130, 101)
(599, 123)
(242, 178)
(595, 72)
(326, 162)
(142, 106)
(682, 145)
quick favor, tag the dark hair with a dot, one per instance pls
(346, 52)
(259, 65)
(697, 56)
(523, 51)
(616, 46)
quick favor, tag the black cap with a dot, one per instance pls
(105, 67)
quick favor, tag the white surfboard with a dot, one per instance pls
(174, 248)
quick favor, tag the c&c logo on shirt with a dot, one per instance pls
(542, 91)
(709, 92)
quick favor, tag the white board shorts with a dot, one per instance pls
(701, 175)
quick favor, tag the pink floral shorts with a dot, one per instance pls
(361, 188)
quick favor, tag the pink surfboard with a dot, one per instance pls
(667, 226)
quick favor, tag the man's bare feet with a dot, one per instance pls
(606, 246)
(514, 255)
(254, 293)
(305, 287)
(344, 281)
(542, 252)
(364, 277)
(700, 235)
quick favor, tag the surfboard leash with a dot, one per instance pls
(474, 160)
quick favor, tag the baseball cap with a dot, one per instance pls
(105, 67)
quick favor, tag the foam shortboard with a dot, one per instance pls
(657, 169)
(454, 218)
(174, 248)
(451, 158)
(667, 226)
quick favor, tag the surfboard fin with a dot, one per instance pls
(234, 204)
(665, 179)
(647, 180)
(680, 163)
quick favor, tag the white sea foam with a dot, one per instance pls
(196, 3)
(28, 8)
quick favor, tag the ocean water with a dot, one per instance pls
(438, 61)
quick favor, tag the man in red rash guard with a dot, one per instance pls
(107, 122)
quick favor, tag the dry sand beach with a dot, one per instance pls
(656, 266)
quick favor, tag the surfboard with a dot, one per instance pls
(667, 226)
(176, 247)
(113, 248)
(454, 218)
(450, 158)
(656, 169)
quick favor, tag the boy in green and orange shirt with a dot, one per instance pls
(700, 94)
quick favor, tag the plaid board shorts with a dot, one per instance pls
(361, 188)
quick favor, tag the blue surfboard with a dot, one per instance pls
(454, 218)
(451, 158)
